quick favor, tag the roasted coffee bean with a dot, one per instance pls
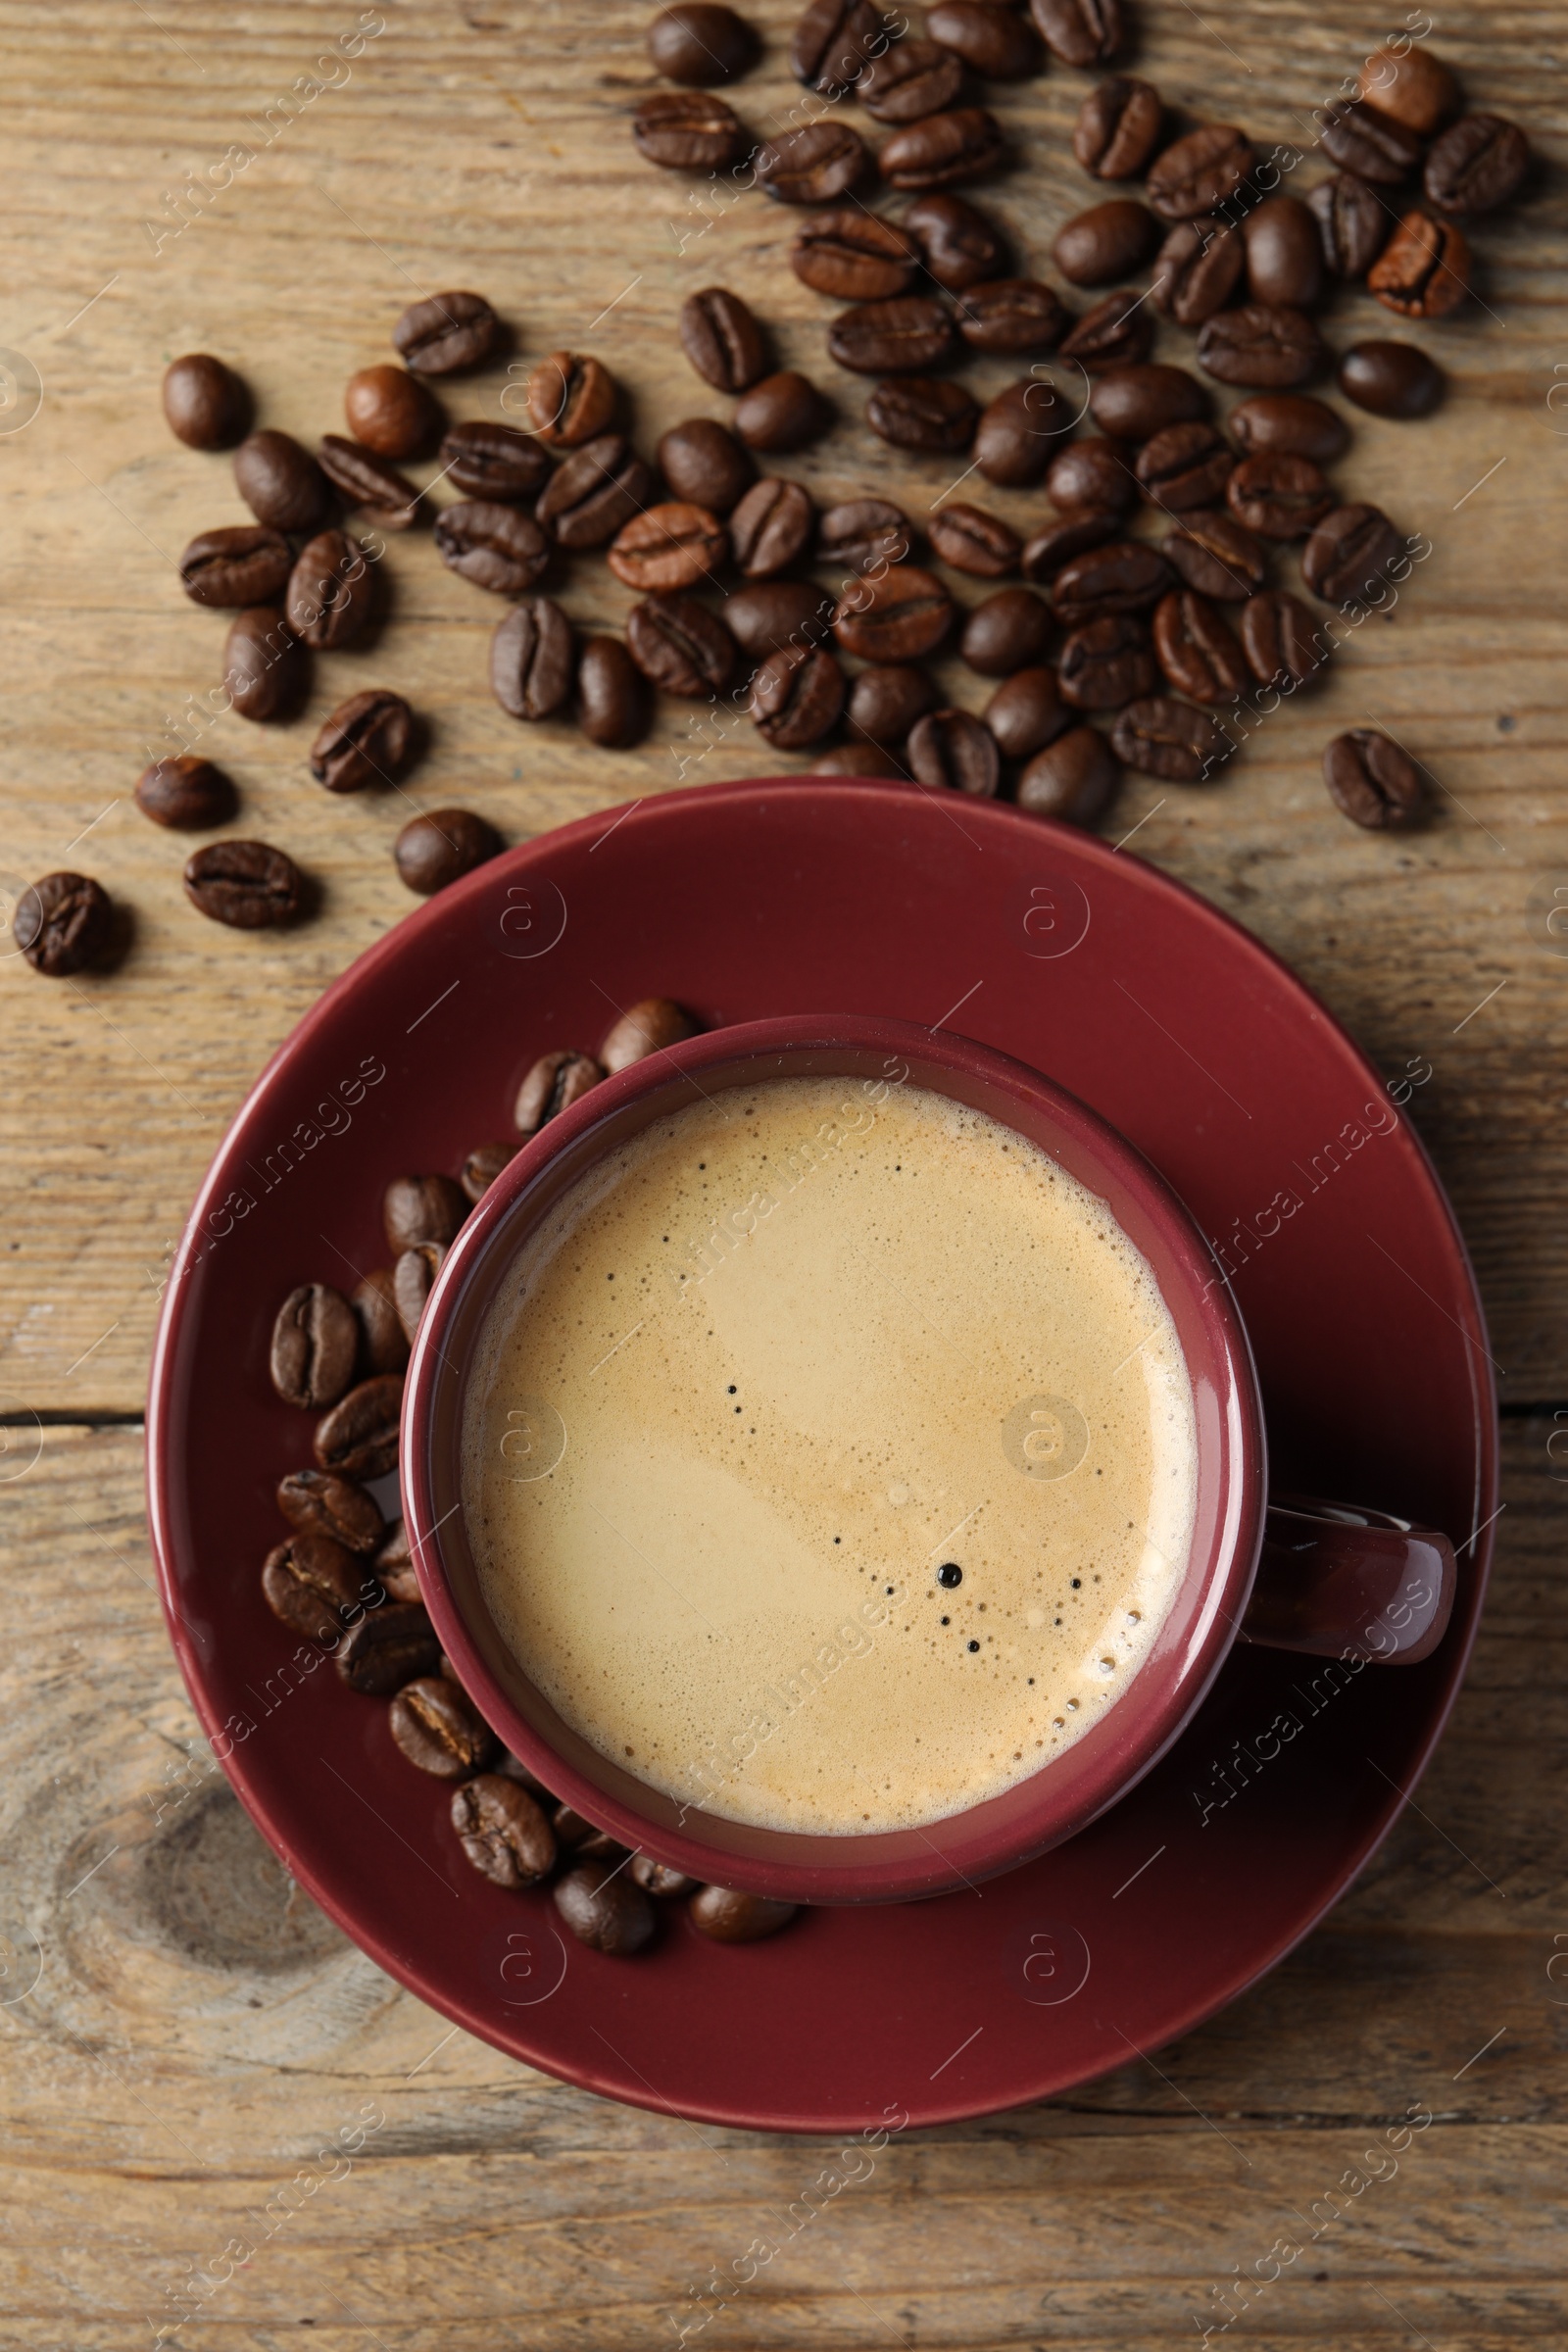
(494, 462)
(668, 548)
(391, 412)
(1195, 649)
(1372, 781)
(1073, 780)
(316, 1586)
(1133, 404)
(698, 43)
(503, 1831)
(921, 412)
(866, 534)
(797, 697)
(608, 1913)
(1164, 738)
(61, 923)
(999, 44)
(1049, 550)
(1391, 379)
(533, 660)
(1081, 32)
(778, 612)
(905, 336)
(1352, 223)
(577, 1834)
(1008, 631)
(368, 740)
(205, 404)
(440, 845)
(1424, 270)
(571, 400)
(239, 565)
(900, 615)
(440, 1729)
(389, 1647)
(975, 542)
(913, 79)
(680, 131)
(1012, 316)
(854, 256)
(318, 1503)
(555, 1082)
(1089, 476)
(949, 747)
(1118, 129)
(1283, 253)
(1021, 431)
(1410, 85)
(328, 599)
(1356, 137)
(1280, 639)
(1217, 555)
(244, 884)
(771, 528)
(594, 492)
(812, 164)
(651, 1026)
(783, 411)
(1351, 550)
(856, 760)
(1107, 242)
(315, 1342)
(886, 700)
(413, 1278)
(446, 332)
(1200, 173)
(483, 1165)
(359, 1436)
(609, 696)
(186, 793)
(721, 339)
(422, 1209)
(678, 645)
(1026, 712)
(1184, 467)
(492, 545)
(362, 479)
(657, 1877)
(1197, 269)
(1478, 164)
(1288, 425)
(961, 247)
(266, 670)
(1108, 662)
(280, 482)
(1126, 576)
(704, 465)
(1261, 345)
(1279, 498)
(943, 151)
(1117, 332)
(728, 1917)
(834, 42)
(382, 1345)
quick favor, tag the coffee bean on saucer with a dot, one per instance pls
(1108, 662)
(797, 697)
(362, 479)
(245, 884)
(1391, 379)
(1052, 549)
(1352, 223)
(609, 1913)
(446, 332)
(1200, 173)
(394, 1561)
(833, 43)
(972, 541)
(723, 339)
(314, 1586)
(413, 1278)
(722, 1913)
(1117, 331)
(391, 412)
(570, 399)
(422, 1209)
(1280, 639)
(593, 491)
(483, 1166)
(314, 1503)
(328, 598)
(668, 548)
(382, 1345)
(899, 617)
(266, 668)
(1090, 477)
(1195, 649)
(575, 1833)
(856, 760)
(314, 1343)
(1126, 576)
(704, 465)
(952, 748)
(960, 245)
(698, 43)
(683, 132)
(1476, 164)
(387, 1648)
(440, 845)
(611, 705)
(1279, 498)
(771, 527)
(997, 43)
(811, 164)
(1008, 316)
(1196, 269)
(1288, 425)
(205, 402)
(533, 660)
(492, 545)
(367, 740)
(1133, 404)
(1185, 466)
(1026, 712)
(865, 534)
(783, 411)
(241, 564)
(495, 461)
(1261, 346)
(556, 1081)
(649, 1026)
(186, 793)
(657, 1877)
(1019, 431)
(1217, 555)
(1161, 737)
(855, 255)
(1074, 778)
(503, 1831)
(280, 482)
(440, 1729)
(912, 78)
(1283, 253)
(1424, 270)
(681, 647)
(1107, 242)
(1009, 631)
(886, 700)
(1118, 129)
(1372, 781)
(943, 151)
(61, 923)
(1356, 137)
(1349, 553)
(906, 336)
(1411, 86)
(359, 1436)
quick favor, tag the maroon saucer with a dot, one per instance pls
(806, 897)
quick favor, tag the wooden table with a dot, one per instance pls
(198, 2027)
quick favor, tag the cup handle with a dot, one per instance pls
(1340, 1581)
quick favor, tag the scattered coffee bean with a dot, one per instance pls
(612, 706)
(413, 1278)
(961, 247)
(834, 42)
(1108, 662)
(359, 1436)
(1126, 576)
(1217, 555)
(422, 1209)
(1118, 129)
(1184, 466)
(954, 749)
(503, 1831)
(886, 700)
(681, 647)
(1133, 404)
(1009, 631)
(1073, 780)
(608, 1913)
(1279, 498)
(721, 339)
(1356, 137)
(680, 131)
(1280, 639)
(314, 1343)
(389, 1647)
(440, 845)
(440, 1729)
(727, 1917)
(1283, 253)
(244, 884)
(1424, 270)
(494, 546)
(239, 565)
(367, 740)
(1410, 85)
(906, 337)
(1288, 425)
(698, 43)
(205, 404)
(1026, 712)
(594, 492)
(1352, 223)
(186, 793)
(899, 617)
(651, 1026)
(1059, 542)
(1200, 173)
(1372, 781)
(483, 1165)
(923, 413)
(1391, 379)
(318, 1503)
(494, 462)
(1261, 346)
(533, 660)
(797, 697)
(61, 923)
(657, 1877)
(1164, 738)
(778, 612)
(571, 400)
(856, 760)
(783, 411)
(329, 601)
(1476, 164)
(556, 1081)
(446, 332)
(1089, 476)
(1195, 649)
(280, 482)
(943, 151)
(1107, 242)
(316, 1586)
(854, 256)
(1117, 332)
(1011, 316)
(865, 534)
(362, 479)
(812, 164)
(996, 42)
(705, 466)
(391, 412)
(915, 77)
(771, 528)
(1351, 550)
(266, 669)
(1021, 431)
(1197, 269)
(382, 1345)
(973, 541)
(1081, 32)
(668, 548)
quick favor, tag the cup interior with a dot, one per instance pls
(1064, 1793)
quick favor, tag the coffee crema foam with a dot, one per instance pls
(771, 1457)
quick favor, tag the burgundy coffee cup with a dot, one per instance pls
(1329, 1579)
